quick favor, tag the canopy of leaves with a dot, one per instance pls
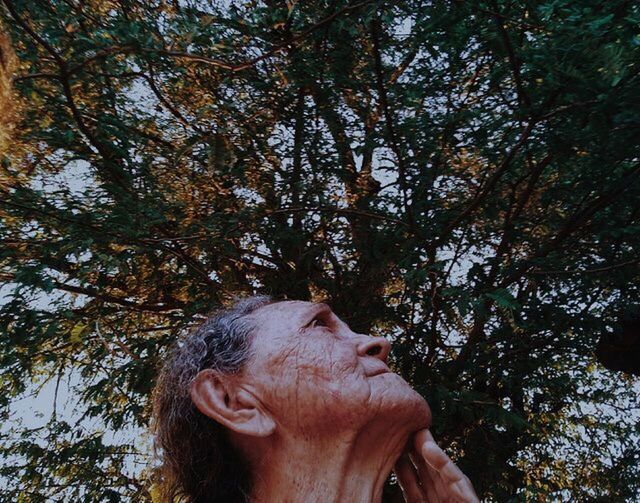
(462, 177)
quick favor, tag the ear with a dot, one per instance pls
(221, 398)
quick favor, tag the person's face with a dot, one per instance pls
(314, 374)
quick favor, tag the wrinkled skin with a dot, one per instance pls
(320, 417)
(319, 377)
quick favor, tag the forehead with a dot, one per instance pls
(287, 314)
(280, 334)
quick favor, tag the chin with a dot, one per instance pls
(418, 409)
(402, 401)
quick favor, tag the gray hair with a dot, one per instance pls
(198, 462)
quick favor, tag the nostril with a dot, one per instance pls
(378, 347)
(374, 350)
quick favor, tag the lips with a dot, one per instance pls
(378, 371)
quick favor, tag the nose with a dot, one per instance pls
(377, 347)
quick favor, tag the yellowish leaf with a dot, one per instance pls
(76, 333)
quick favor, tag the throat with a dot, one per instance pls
(337, 470)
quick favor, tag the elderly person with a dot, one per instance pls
(280, 401)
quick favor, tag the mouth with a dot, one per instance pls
(378, 372)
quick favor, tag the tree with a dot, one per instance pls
(459, 176)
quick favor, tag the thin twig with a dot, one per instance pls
(587, 271)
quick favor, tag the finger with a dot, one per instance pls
(408, 481)
(431, 484)
(443, 489)
(460, 490)
(466, 489)
(437, 459)
(453, 490)
(427, 447)
(451, 479)
(421, 437)
(458, 485)
(451, 473)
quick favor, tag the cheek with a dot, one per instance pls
(332, 367)
(319, 385)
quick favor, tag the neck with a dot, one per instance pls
(349, 468)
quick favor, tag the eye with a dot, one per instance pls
(317, 322)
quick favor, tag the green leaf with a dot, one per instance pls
(504, 299)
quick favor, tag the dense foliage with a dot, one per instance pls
(460, 176)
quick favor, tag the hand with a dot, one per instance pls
(426, 474)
